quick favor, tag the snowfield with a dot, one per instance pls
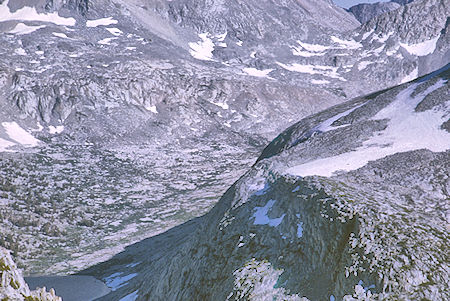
(407, 131)
(30, 14)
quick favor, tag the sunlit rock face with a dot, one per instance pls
(122, 119)
(13, 286)
(369, 223)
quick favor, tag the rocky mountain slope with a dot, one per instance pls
(12, 285)
(350, 203)
(364, 12)
(120, 119)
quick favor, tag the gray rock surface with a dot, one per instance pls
(143, 117)
(364, 12)
(376, 230)
(13, 286)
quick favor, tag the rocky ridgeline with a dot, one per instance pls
(347, 204)
(14, 288)
(367, 11)
(125, 99)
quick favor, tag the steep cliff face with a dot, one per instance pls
(367, 11)
(337, 207)
(12, 285)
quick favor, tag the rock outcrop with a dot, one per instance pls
(367, 11)
(12, 285)
(143, 112)
(349, 203)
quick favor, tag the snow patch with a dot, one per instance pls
(256, 72)
(299, 227)
(383, 38)
(223, 105)
(363, 65)
(308, 50)
(423, 48)
(239, 43)
(261, 217)
(106, 41)
(131, 297)
(313, 69)
(18, 134)
(346, 44)
(259, 186)
(152, 109)
(115, 281)
(5, 145)
(30, 14)
(101, 22)
(221, 37)
(313, 47)
(114, 31)
(203, 49)
(326, 126)
(55, 129)
(20, 51)
(367, 34)
(407, 130)
(21, 28)
(60, 35)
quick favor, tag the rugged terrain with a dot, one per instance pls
(350, 203)
(13, 286)
(120, 119)
(364, 12)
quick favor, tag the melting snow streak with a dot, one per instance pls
(261, 217)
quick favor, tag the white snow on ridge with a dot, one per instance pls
(30, 14)
(21, 28)
(407, 130)
(261, 217)
(101, 22)
(346, 44)
(256, 72)
(423, 48)
(18, 134)
(203, 49)
(313, 69)
(326, 125)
